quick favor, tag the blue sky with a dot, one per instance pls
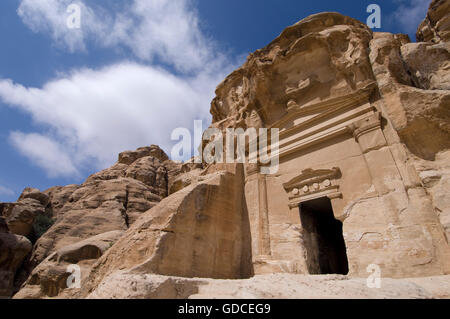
(71, 99)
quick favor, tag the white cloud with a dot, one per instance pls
(6, 191)
(164, 29)
(410, 14)
(45, 152)
(92, 115)
(50, 16)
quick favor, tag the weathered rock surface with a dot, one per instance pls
(35, 194)
(198, 231)
(13, 250)
(436, 26)
(416, 96)
(58, 197)
(110, 200)
(323, 56)
(20, 216)
(125, 285)
(49, 279)
(428, 64)
(435, 176)
(106, 203)
(364, 130)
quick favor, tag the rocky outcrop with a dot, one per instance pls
(58, 197)
(427, 64)
(13, 250)
(21, 216)
(416, 96)
(110, 200)
(362, 182)
(49, 279)
(33, 193)
(436, 26)
(200, 231)
(274, 81)
(126, 285)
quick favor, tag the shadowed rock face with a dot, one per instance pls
(108, 201)
(13, 249)
(436, 26)
(49, 278)
(20, 216)
(364, 123)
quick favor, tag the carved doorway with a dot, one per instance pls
(323, 238)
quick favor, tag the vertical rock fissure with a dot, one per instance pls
(125, 206)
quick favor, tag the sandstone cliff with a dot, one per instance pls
(364, 123)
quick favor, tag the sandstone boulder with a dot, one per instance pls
(13, 250)
(428, 64)
(110, 200)
(436, 26)
(49, 279)
(130, 157)
(414, 94)
(196, 232)
(35, 194)
(21, 216)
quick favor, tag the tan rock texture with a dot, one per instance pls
(13, 249)
(20, 216)
(321, 57)
(124, 285)
(362, 182)
(49, 278)
(110, 200)
(436, 26)
(198, 231)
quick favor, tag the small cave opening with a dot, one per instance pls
(323, 238)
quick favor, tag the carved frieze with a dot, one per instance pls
(311, 184)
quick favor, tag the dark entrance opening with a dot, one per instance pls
(323, 238)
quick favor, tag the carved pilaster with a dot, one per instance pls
(368, 133)
(379, 160)
(263, 222)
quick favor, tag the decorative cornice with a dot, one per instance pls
(310, 176)
(312, 184)
(349, 100)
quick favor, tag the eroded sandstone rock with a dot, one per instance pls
(110, 200)
(323, 56)
(436, 26)
(364, 131)
(20, 216)
(125, 285)
(199, 231)
(13, 250)
(35, 194)
(49, 279)
(428, 64)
